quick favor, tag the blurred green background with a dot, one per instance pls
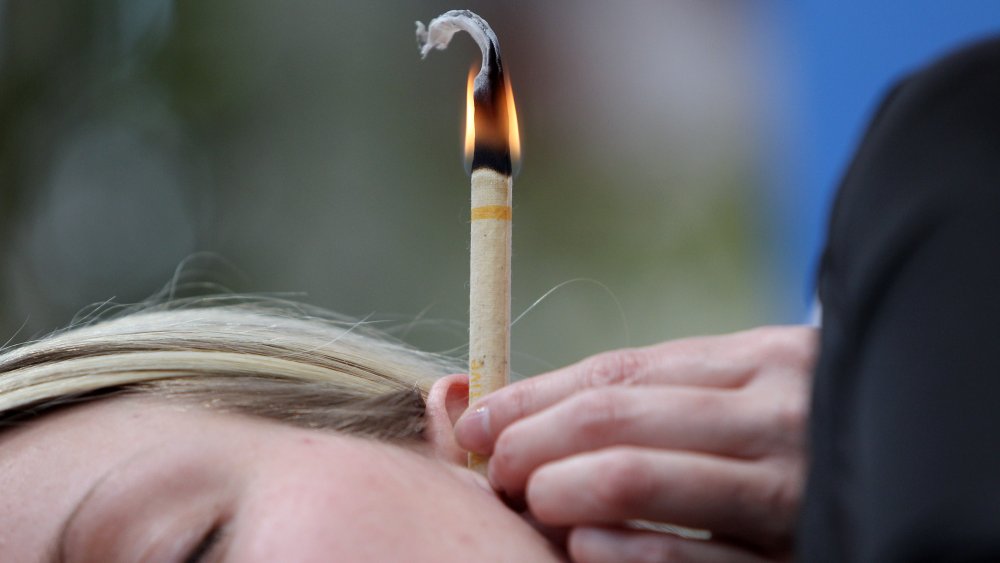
(302, 147)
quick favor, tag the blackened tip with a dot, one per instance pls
(494, 159)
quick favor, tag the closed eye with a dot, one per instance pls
(208, 544)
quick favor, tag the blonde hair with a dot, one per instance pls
(265, 358)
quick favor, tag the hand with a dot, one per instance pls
(706, 433)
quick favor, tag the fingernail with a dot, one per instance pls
(472, 431)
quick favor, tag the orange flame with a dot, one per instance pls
(470, 117)
(513, 133)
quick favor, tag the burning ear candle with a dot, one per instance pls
(491, 146)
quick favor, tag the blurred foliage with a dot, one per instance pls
(303, 147)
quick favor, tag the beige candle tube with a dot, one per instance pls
(489, 288)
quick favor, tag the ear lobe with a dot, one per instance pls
(446, 401)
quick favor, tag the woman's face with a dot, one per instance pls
(136, 479)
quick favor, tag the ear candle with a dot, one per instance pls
(491, 139)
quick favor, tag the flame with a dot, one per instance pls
(513, 135)
(470, 117)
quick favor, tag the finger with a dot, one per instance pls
(693, 362)
(670, 418)
(603, 545)
(751, 501)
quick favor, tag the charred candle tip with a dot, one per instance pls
(493, 126)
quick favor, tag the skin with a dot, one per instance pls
(145, 480)
(706, 433)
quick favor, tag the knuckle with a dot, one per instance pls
(620, 367)
(624, 483)
(783, 421)
(517, 403)
(799, 345)
(598, 413)
(778, 498)
(779, 501)
(773, 504)
(791, 345)
(776, 427)
(771, 341)
(790, 418)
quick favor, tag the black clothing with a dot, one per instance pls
(905, 428)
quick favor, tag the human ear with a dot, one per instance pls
(446, 401)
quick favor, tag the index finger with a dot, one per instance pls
(690, 362)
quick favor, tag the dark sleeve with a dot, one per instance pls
(905, 427)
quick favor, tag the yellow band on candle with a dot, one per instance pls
(499, 212)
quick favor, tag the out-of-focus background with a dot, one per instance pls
(679, 157)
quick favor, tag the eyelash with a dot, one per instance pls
(208, 543)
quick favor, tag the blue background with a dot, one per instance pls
(848, 54)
